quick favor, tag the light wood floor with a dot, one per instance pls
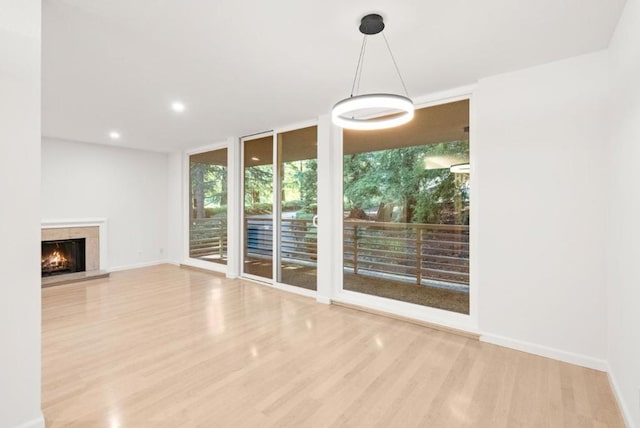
(170, 347)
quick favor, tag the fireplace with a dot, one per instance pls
(73, 250)
(63, 256)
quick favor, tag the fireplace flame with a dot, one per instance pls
(55, 260)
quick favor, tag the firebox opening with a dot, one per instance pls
(63, 256)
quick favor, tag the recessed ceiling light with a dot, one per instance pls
(178, 106)
(114, 135)
(255, 159)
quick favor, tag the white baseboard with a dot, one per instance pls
(34, 423)
(622, 404)
(137, 265)
(544, 351)
(324, 300)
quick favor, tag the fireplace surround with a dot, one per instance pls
(81, 239)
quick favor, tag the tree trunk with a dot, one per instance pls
(198, 192)
(223, 180)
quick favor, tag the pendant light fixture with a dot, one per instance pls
(343, 113)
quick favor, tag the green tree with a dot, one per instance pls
(308, 178)
(399, 178)
(258, 186)
(208, 187)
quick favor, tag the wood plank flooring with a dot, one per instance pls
(170, 347)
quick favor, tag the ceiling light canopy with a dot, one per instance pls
(375, 111)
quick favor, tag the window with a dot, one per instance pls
(406, 209)
(208, 210)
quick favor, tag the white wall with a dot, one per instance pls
(175, 206)
(623, 211)
(327, 210)
(20, 214)
(128, 187)
(234, 204)
(538, 177)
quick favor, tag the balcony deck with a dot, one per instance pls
(425, 264)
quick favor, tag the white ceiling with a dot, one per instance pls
(244, 66)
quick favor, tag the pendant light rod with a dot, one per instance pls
(396, 65)
(356, 77)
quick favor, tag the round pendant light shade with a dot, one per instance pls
(372, 111)
(343, 113)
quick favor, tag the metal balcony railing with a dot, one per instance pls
(416, 252)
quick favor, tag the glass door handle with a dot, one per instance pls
(315, 221)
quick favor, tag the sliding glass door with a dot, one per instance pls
(298, 207)
(280, 207)
(258, 207)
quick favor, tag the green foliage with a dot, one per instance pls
(398, 178)
(208, 187)
(394, 182)
(220, 211)
(302, 215)
(259, 208)
(291, 205)
(258, 184)
(311, 209)
(299, 190)
(308, 179)
(299, 183)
